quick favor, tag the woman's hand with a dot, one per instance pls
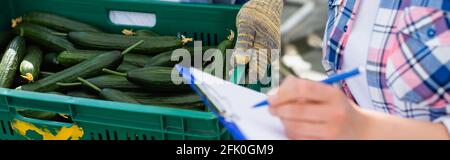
(312, 110)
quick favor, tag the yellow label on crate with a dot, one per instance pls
(65, 133)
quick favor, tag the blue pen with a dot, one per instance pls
(330, 81)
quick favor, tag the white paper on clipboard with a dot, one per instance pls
(238, 102)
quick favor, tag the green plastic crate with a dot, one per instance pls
(104, 120)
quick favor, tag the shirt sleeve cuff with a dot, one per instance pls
(444, 120)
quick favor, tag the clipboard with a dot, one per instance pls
(228, 117)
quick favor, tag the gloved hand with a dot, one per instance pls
(258, 24)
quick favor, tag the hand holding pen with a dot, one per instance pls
(331, 80)
(312, 110)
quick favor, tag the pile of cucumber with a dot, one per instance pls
(53, 54)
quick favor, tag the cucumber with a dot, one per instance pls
(50, 59)
(192, 106)
(137, 59)
(57, 22)
(44, 37)
(10, 62)
(30, 66)
(75, 56)
(110, 94)
(81, 93)
(50, 63)
(39, 114)
(117, 96)
(5, 38)
(86, 68)
(146, 33)
(152, 98)
(164, 59)
(108, 81)
(104, 41)
(222, 47)
(186, 101)
(154, 79)
(125, 67)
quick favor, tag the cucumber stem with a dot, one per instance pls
(231, 36)
(69, 84)
(16, 21)
(185, 40)
(128, 32)
(28, 76)
(85, 82)
(21, 32)
(114, 72)
(132, 47)
(59, 34)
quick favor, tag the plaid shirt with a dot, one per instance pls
(408, 66)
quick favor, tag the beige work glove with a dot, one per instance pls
(258, 24)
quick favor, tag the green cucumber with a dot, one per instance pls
(50, 59)
(39, 114)
(185, 101)
(146, 33)
(137, 59)
(154, 79)
(125, 67)
(222, 49)
(164, 59)
(82, 93)
(88, 68)
(75, 56)
(57, 22)
(117, 96)
(152, 98)
(10, 62)
(104, 41)
(44, 37)
(50, 63)
(85, 69)
(210, 59)
(30, 65)
(193, 106)
(110, 94)
(108, 81)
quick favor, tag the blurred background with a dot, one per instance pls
(303, 23)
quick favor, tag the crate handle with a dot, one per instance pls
(16, 115)
(23, 124)
(130, 18)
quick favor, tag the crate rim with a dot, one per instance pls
(103, 104)
(86, 115)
